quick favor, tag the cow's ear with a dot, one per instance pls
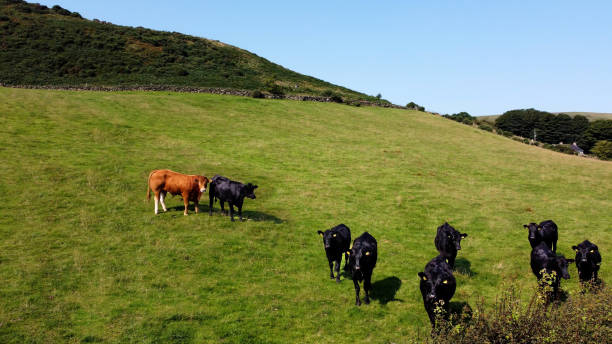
(575, 248)
(463, 235)
(525, 226)
(254, 187)
(348, 252)
(422, 276)
(196, 180)
(320, 233)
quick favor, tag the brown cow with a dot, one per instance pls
(189, 186)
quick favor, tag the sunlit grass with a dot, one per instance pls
(83, 258)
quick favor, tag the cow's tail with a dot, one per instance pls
(148, 186)
(211, 192)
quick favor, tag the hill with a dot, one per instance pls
(53, 46)
(84, 259)
(592, 116)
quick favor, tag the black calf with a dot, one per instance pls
(229, 191)
(448, 242)
(362, 260)
(336, 242)
(546, 232)
(437, 287)
(545, 261)
(588, 261)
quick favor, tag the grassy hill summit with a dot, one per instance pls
(53, 46)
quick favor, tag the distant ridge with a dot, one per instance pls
(55, 47)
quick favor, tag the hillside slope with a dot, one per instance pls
(84, 259)
(42, 46)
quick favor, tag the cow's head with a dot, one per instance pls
(249, 190)
(533, 229)
(454, 236)
(330, 239)
(563, 263)
(202, 182)
(360, 256)
(435, 289)
(587, 254)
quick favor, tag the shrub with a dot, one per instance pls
(336, 98)
(603, 150)
(327, 93)
(583, 318)
(485, 126)
(257, 94)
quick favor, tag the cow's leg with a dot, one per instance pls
(222, 203)
(331, 268)
(211, 198)
(231, 210)
(162, 195)
(239, 211)
(367, 286)
(451, 262)
(554, 246)
(338, 268)
(195, 206)
(186, 202)
(156, 202)
(356, 283)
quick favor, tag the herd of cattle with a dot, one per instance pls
(437, 282)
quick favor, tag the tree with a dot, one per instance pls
(603, 149)
(378, 96)
(598, 130)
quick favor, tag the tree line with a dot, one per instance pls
(556, 131)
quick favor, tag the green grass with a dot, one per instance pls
(42, 46)
(84, 259)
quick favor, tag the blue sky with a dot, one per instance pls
(483, 57)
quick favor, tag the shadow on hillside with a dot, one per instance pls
(464, 267)
(384, 290)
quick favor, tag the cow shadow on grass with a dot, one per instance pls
(384, 290)
(247, 215)
(464, 267)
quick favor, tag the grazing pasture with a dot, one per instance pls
(84, 259)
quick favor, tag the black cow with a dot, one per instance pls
(546, 232)
(448, 242)
(362, 260)
(588, 261)
(437, 287)
(336, 241)
(544, 260)
(229, 191)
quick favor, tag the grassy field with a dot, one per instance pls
(84, 259)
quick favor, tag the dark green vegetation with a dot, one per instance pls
(591, 116)
(551, 131)
(583, 318)
(52, 46)
(83, 258)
